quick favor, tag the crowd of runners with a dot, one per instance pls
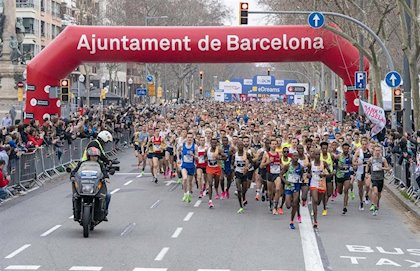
(295, 156)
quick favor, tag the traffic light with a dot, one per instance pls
(201, 90)
(268, 71)
(243, 16)
(201, 75)
(64, 86)
(397, 104)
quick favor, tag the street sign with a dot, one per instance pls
(393, 79)
(141, 92)
(316, 19)
(360, 79)
(149, 78)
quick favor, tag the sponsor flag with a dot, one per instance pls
(376, 115)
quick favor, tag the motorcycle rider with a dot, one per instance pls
(92, 154)
(99, 143)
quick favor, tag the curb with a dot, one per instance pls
(408, 205)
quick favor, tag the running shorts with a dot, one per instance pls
(190, 170)
(272, 177)
(240, 177)
(214, 170)
(250, 174)
(170, 151)
(291, 188)
(341, 180)
(379, 184)
(203, 169)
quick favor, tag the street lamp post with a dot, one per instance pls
(81, 79)
(130, 85)
(146, 19)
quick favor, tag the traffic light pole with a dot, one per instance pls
(334, 14)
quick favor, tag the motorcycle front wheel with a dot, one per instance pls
(86, 220)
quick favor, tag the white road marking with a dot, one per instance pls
(126, 173)
(176, 233)
(198, 202)
(150, 269)
(146, 173)
(23, 267)
(168, 183)
(130, 227)
(310, 248)
(127, 183)
(188, 216)
(155, 204)
(71, 217)
(161, 254)
(213, 270)
(86, 268)
(50, 230)
(115, 191)
(17, 251)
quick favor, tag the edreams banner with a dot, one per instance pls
(258, 85)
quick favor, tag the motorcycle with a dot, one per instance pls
(90, 195)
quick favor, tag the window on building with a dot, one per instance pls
(28, 51)
(55, 9)
(43, 5)
(43, 29)
(29, 24)
(25, 3)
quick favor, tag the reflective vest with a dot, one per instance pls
(85, 157)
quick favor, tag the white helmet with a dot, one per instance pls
(105, 136)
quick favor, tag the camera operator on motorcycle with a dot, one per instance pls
(99, 143)
(92, 154)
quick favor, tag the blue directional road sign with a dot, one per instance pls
(141, 92)
(316, 19)
(360, 80)
(393, 79)
(149, 78)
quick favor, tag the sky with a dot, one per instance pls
(252, 19)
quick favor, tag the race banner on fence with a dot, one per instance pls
(376, 115)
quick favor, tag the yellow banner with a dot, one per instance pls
(20, 94)
(160, 92)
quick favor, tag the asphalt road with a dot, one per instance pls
(151, 229)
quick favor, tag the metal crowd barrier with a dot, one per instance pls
(403, 181)
(33, 168)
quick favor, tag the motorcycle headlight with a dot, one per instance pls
(87, 188)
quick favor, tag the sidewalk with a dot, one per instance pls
(406, 203)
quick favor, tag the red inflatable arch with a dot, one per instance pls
(78, 44)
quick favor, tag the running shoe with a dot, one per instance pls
(352, 195)
(361, 208)
(367, 201)
(184, 198)
(344, 211)
(227, 194)
(236, 193)
(241, 211)
(217, 196)
(245, 203)
(280, 211)
(374, 213)
(275, 211)
(201, 195)
(223, 195)
(156, 180)
(324, 212)
(257, 197)
(372, 208)
(271, 206)
(179, 181)
(189, 198)
(142, 173)
(292, 226)
(263, 198)
(173, 175)
(211, 204)
(315, 224)
(303, 203)
(299, 219)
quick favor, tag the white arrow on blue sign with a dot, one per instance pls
(360, 80)
(149, 78)
(393, 79)
(141, 92)
(316, 19)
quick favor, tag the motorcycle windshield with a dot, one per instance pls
(90, 170)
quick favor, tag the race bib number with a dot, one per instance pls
(275, 169)
(188, 158)
(293, 178)
(201, 159)
(156, 147)
(377, 166)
